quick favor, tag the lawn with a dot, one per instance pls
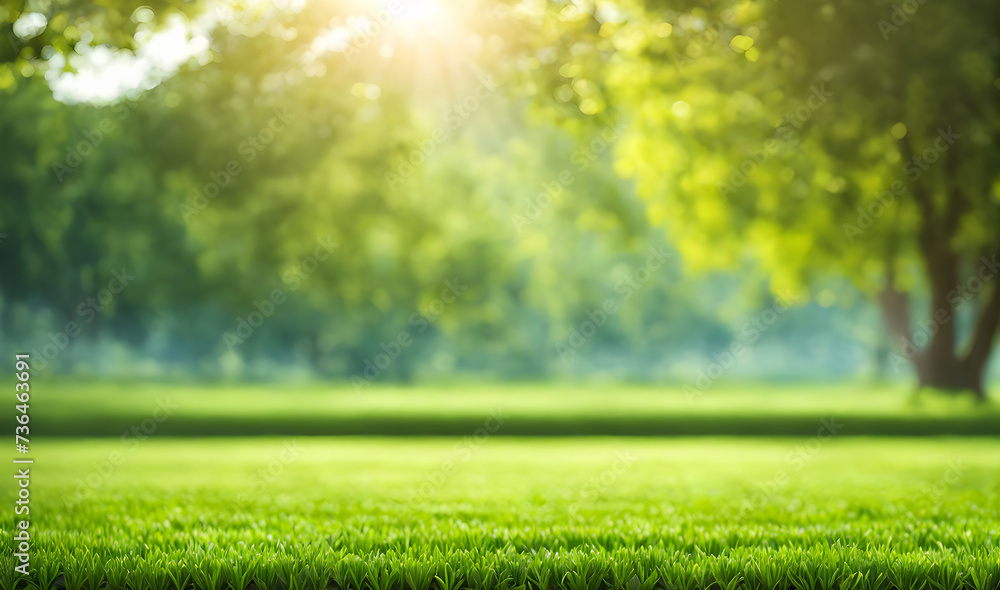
(485, 512)
(64, 408)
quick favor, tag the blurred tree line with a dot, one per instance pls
(316, 194)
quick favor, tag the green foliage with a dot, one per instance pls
(65, 24)
(138, 201)
(760, 134)
(756, 130)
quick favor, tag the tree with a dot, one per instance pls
(856, 138)
(215, 187)
(30, 31)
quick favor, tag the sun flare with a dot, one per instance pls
(419, 12)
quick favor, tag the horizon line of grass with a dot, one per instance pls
(524, 426)
(109, 410)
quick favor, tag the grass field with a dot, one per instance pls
(485, 512)
(79, 409)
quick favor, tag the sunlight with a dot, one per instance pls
(416, 20)
(386, 24)
(420, 12)
(100, 74)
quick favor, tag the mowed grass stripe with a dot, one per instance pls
(97, 409)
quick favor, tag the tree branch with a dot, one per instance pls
(895, 305)
(920, 195)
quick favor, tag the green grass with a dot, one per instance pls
(513, 513)
(101, 409)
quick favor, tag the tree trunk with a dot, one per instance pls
(949, 373)
(931, 349)
(983, 335)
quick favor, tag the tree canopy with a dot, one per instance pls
(778, 149)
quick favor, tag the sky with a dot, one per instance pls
(104, 75)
